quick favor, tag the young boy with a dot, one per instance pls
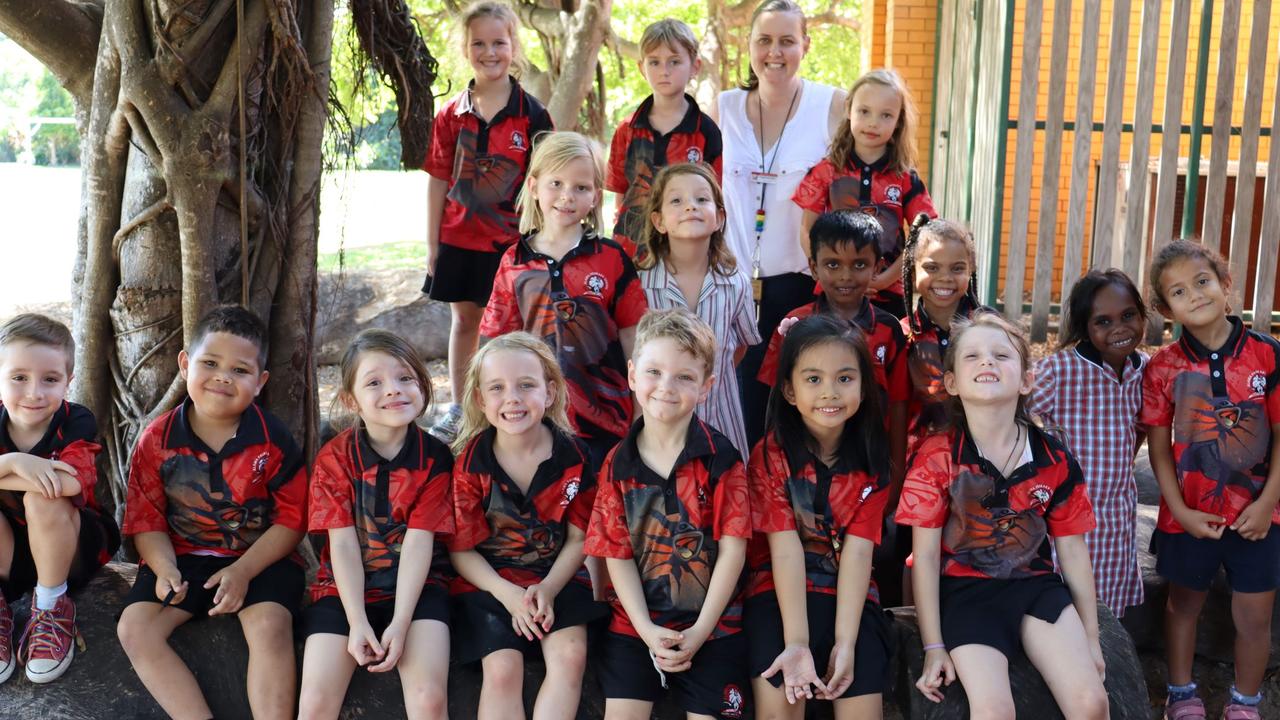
(215, 507)
(671, 519)
(52, 535)
(667, 128)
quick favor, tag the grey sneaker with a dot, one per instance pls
(447, 427)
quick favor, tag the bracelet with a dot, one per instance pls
(935, 646)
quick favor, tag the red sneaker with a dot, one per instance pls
(49, 642)
(7, 659)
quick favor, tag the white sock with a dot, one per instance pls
(47, 597)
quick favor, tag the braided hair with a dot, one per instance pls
(943, 230)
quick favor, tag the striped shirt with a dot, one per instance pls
(725, 304)
(1082, 401)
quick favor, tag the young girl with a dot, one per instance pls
(480, 145)
(1210, 405)
(380, 492)
(984, 498)
(1090, 393)
(523, 489)
(820, 483)
(688, 265)
(871, 167)
(939, 265)
(573, 289)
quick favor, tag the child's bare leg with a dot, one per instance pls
(6, 547)
(1181, 613)
(144, 632)
(326, 673)
(502, 692)
(1252, 615)
(424, 670)
(984, 673)
(1061, 653)
(272, 680)
(464, 337)
(565, 651)
(771, 702)
(53, 529)
(623, 709)
(862, 707)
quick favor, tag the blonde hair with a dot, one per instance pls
(902, 145)
(498, 11)
(474, 421)
(655, 246)
(552, 152)
(376, 340)
(987, 318)
(35, 329)
(672, 33)
(688, 331)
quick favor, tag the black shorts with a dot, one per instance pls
(462, 275)
(1252, 565)
(982, 611)
(327, 616)
(99, 540)
(715, 685)
(279, 583)
(484, 625)
(871, 670)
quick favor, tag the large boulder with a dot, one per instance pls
(351, 301)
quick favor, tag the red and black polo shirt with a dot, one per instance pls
(577, 305)
(926, 344)
(993, 526)
(893, 198)
(1221, 404)
(672, 526)
(885, 342)
(520, 534)
(638, 152)
(70, 437)
(353, 486)
(823, 505)
(484, 164)
(215, 503)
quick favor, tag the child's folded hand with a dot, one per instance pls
(541, 603)
(1202, 524)
(522, 613)
(938, 672)
(393, 639)
(171, 583)
(839, 671)
(363, 644)
(232, 585)
(41, 472)
(1254, 521)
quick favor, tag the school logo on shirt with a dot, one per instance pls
(260, 466)
(596, 284)
(517, 140)
(733, 702)
(1258, 383)
(880, 354)
(694, 155)
(570, 492)
(893, 194)
(1039, 496)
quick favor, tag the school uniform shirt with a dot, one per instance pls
(926, 344)
(352, 486)
(1095, 413)
(671, 527)
(577, 305)
(725, 304)
(821, 504)
(484, 164)
(891, 197)
(519, 534)
(992, 526)
(215, 503)
(638, 151)
(1221, 404)
(71, 437)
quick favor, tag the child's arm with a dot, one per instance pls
(1198, 524)
(730, 557)
(477, 571)
(851, 595)
(437, 192)
(926, 545)
(630, 592)
(891, 274)
(23, 472)
(348, 575)
(1073, 558)
(806, 224)
(786, 561)
(233, 580)
(156, 551)
(415, 565)
(541, 597)
(1254, 522)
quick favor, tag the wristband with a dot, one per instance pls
(935, 646)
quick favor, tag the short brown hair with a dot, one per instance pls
(387, 343)
(655, 246)
(672, 33)
(690, 332)
(37, 329)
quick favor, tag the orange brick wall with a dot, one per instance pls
(901, 34)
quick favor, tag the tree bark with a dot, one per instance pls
(61, 34)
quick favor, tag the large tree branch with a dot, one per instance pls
(587, 28)
(62, 34)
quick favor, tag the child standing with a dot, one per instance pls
(380, 494)
(53, 537)
(820, 482)
(523, 488)
(1090, 393)
(871, 168)
(215, 506)
(577, 291)
(984, 498)
(668, 127)
(672, 519)
(689, 266)
(480, 147)
(1211, 408)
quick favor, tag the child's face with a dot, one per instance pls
(668, 381)
(942, 272)
(222, 375)
(1115, 325)
(689, 209)
(668, 70)
(387, 394)
(33, 382)
(513, 391)
(825, 386)
(873, 117)
(988, 368)
(845, 272)
(778, 44)
(568, 194)
(489, 48)
(1193, 292)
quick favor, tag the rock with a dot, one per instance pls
(390, 299)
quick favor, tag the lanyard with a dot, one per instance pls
(764, 178)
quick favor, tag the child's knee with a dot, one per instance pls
(504, 671)
(138, 635)
(267, 626)
(42, 511)
(1091, 703)
(1184, 602)
(1252, 619)
(993, 709)
(427, 699)
(567, 659)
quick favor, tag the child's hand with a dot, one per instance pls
(363, 644)
(785, 326)
(1095, 650)
(663, 642)
(171, 582)
(522, 621)
(798, 674)
(541, 603)
(1201, 525)
(393, 639)
(839, 671)
(1254, 521)
(40, 472)
(690, 644)
(232, 585)
(938, 671)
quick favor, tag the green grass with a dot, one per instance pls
(389, 256)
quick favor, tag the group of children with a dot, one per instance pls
(601, 497)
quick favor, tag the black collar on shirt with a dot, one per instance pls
(697, 443)
(876, 166)
(1086, 350)
(1196, 352)
(252, 430)
(412, 455)
(865, 318)
(921, 322)
(515, 107)
(48, 441)
(565, 454)
(688, 124)
(965, 451)
(589, 244)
